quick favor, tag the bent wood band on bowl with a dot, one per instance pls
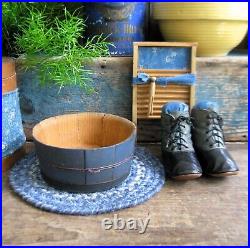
(95, 169)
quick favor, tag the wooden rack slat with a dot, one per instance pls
(147, 105)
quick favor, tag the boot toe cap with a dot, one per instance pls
(184, 168)
(182, 164)
(218, 161)
(227, 167)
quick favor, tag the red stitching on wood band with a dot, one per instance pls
(96, 169)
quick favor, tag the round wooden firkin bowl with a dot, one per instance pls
(85, 152)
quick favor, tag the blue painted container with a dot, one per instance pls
(122, 22)
(85, 152)
(12, 130)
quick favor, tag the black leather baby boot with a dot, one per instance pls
(208, 140)
(176, 143)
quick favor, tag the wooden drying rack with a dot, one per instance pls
(149, 98)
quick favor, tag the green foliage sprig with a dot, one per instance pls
(53, 46)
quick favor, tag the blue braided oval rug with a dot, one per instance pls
(146, 178)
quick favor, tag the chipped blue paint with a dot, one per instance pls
(12, 130)
(123, 22)
(228, 88)
(170, 58)
(38, 103)
(231, 96)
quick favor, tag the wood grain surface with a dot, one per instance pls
(10, 160)
(220, 79)
(206, 211)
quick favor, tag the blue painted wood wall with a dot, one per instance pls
(218, 79)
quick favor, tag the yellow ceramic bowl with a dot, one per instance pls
(217, 27)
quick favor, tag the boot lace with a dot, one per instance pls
(214, 124)
(177, 137)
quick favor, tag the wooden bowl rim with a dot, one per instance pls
(82, 149)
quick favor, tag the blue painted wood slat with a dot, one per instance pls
(223, 80)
